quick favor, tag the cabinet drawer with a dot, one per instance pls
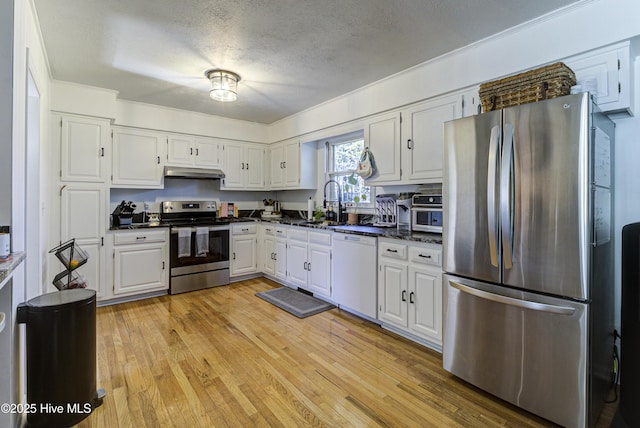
(281, 232)
(394, 251)
(298, 234)
(320, 238)
(244, 229)
(269, 230)
(430, 256)
(139, 237)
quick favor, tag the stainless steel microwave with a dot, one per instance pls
(426, 213)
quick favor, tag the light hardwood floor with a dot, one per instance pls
(223, 357)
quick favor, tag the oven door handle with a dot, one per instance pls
(174, 230)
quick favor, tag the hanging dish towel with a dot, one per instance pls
(202, 241)
(366, 165)
(184, 242)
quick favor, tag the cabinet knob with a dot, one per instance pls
(409, 145)
(411, 297)
(404, 295)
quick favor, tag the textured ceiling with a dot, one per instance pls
(291, 54)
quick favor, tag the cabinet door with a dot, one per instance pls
(180, 150)
(297, 263)
(423, 137)
(277, 166)
(281, 259)
(82, 215)
(254, 167)
(233, 166)
(319, 269)
(292, 164)
(425, 302)
(382, 136)
(243, 255)
(83, 149)
(470, 102)
(207, 152)
(269, 255)
(392, 293)
(137, 159)
(610, 68)
(130, 278)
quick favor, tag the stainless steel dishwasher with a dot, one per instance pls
(355, 271)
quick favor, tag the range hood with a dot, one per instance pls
(200, 173)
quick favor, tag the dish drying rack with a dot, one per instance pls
(386, 211)
(72, 257)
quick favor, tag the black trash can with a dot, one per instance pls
(61, 357)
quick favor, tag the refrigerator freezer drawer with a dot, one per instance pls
(528, 349)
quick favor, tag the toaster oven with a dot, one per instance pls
(426, 213)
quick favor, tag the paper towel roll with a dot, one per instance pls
(310, 209)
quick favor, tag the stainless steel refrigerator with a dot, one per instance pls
(528, 256)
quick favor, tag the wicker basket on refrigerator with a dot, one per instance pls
(550, 81)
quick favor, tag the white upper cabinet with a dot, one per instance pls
(286, 165)
(138, 158)
(243, 166)
(422, 135)
(84, 148)
(610, 67)
(382, 136)
(187, 150)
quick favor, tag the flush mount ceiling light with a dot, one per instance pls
(224, 84)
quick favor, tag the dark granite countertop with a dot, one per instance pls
(365, 229)
(9, 264)
(139, 226)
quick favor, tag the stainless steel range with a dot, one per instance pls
(199, 245)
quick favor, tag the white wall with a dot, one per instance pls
(6, 108)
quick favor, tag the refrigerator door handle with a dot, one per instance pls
(494, 147)
(506, 212)
(526, 304)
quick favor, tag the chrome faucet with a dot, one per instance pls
(324, 201)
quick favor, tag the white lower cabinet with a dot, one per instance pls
(410, 289)
(309, 260)
(244, 249)
(280, 252)
(140, 261)
(268, 250)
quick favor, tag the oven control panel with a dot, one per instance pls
(427, 200)
(189, 207)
